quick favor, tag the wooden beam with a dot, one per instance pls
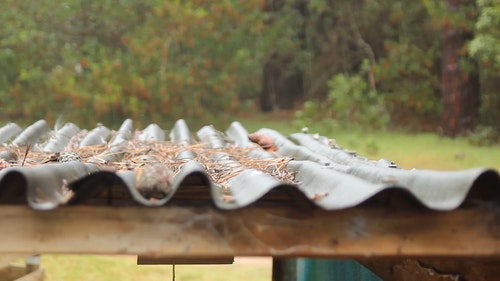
(434, 269)
(37, 275)
(254, 231)
(6, 260)
(21, 273)
(143, 260)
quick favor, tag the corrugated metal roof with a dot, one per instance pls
(49, 168)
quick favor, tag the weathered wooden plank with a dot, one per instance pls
(254, 231)
(434, 269)
(21, 273)
(37, 275)
(5, 260)
(143, 260)
(12, 272)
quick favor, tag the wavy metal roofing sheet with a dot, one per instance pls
(48, 168)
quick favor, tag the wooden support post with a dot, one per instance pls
(284, 269)
(278, 270)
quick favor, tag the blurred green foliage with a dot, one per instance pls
(107, 60)
(365, 107)
(486, 44)
(390, 51)
(402, 41)
(365, 62)
(486, 48)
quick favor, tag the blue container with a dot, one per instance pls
(333, 270)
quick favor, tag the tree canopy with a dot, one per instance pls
(152, 60)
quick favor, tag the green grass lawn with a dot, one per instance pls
(422, 151)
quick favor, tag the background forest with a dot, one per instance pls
(418, 65)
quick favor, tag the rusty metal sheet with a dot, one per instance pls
(222, 169)
(43, 187)
(60, 139)
(32, 134)
(8, 131)
(97, 136)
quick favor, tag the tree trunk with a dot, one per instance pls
(281, 87)
(460, 89)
